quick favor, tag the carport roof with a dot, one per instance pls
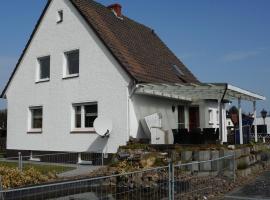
(197, 91)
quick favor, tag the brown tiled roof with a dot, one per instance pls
(137, 48)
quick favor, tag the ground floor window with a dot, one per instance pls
(36, 118)
(85, 115)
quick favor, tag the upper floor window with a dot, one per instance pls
(36, 118)
(71, 67)
(43, 68)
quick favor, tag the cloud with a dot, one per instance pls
(242, 55)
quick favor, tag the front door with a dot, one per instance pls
(194, 118)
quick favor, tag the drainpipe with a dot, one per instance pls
(221, 131)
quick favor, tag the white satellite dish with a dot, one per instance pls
(103, 126)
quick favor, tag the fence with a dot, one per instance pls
(261, 137)
(181, 181)
(55, 163)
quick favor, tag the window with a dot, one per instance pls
(211, 117)
(177, 70)
(72, 63)
(59, 16)
(36, 118)
(85, 115)
(44, 68)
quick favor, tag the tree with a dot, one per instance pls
(3, 119)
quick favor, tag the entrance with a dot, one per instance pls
(194, 118)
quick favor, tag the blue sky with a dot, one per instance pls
(219, 41)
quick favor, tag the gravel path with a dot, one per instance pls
(259, 189)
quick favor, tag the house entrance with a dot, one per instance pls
(194, 118)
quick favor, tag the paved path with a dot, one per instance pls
(259, 189)
(79, 171)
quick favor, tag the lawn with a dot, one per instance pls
(42, 168)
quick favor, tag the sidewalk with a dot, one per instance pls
(259, 189)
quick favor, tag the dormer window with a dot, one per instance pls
(59, 16)
(177, 70)
(43, 71)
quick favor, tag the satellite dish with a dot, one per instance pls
(103, 126)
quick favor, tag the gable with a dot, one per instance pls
(137, 48)
(47, 37)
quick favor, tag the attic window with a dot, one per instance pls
(177, 70)
(59, 16)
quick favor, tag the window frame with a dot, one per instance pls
(31, 128)
(82, 128)
(39, 66)
(211, 116)
(66, 64)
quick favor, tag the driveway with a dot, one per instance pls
(259, 189)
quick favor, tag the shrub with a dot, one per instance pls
(13, 177)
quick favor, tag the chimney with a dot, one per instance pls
(116, 8)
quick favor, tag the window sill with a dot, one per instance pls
(71, 76)
(83, 130)
(43, 80)
(34, 131)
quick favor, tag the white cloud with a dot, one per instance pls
(242, 55)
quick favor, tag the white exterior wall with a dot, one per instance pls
(101, 79)
(143, 105)
(261, 122)
(206, 106)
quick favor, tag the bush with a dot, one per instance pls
(13, 177)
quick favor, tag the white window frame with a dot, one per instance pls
(38, 71)
(211, 116)
(65, 67)
(30, 119)
(73, 120)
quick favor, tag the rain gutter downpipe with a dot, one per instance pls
(221, 115)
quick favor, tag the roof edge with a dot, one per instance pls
(25, 48)
(104, 43)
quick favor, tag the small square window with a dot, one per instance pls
(59, 16)
(44, 68)
(36, 118)
(72, 62)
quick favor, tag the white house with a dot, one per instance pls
(261, 121)
(84, 60)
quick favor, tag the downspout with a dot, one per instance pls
(129, 96)
(225, 91)
(221, 114)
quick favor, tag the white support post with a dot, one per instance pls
(255, 121)
(240, 121)
(220, 121)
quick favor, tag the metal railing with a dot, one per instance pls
(181, 181)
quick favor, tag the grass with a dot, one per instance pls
(44, 169)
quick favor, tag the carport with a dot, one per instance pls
(222, 92)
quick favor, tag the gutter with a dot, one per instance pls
(225, 91)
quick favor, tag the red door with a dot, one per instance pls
(194, 118)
